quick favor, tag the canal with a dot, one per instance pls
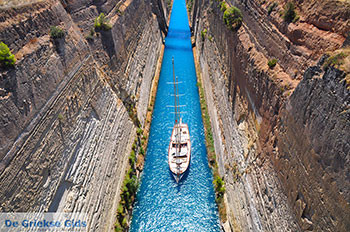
(162, 204)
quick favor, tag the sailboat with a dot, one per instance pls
(179, 154)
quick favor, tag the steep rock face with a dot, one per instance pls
(65, 130)
(314, 150)
(242, 100)
(246, 100)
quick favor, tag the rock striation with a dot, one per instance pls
(281, 134)
(313, 158)
(65, 132)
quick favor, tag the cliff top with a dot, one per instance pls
(340, 59)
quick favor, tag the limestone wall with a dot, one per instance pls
(258, 145)
(65, 132)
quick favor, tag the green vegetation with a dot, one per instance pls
(272, 63)
(341, 60)
(209, 140)
(133, 114)
(7, 59)
(60, 117)
(289, 14)
(203, 34)
(233, 18)
(102, 23)
(223, 6)
(139, 131)
(335, 60)
(169, 3)
(91, 35)
(130, 186)
(189, 5)
(219, 188)
(271, 7)
(56, 32)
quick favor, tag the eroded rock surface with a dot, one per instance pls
(281, 144)
(65, 132)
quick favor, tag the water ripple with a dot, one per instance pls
(161, 203)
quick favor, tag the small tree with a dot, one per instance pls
(271, 7)
(272, 63)
(233, 18)
(101, 22)
(289, 12)
(56, 32)
(7, 59)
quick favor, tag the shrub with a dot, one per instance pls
(203, 33)
(7, 59)
(272, 63)
(56, 32)
(190, 5)
(134, 146)
(223, 6)
(289, 14)
(142, 151)
(132, 158)
(90, 36)
(139, 131)
(60, 117)
(335, 60)
(219, 186)
(101, 22)
(271, 7)
(233, 18)
(169, 3)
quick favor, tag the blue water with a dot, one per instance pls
(162, 204)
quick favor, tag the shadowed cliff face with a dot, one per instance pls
(65, 133)
(313, 142)
(281, 134)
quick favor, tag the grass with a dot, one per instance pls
(7, 59)
(233, 18)
(340, 59)
(335, 60)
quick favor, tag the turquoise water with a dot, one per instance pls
(162, 204)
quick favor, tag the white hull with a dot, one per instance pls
(179, 156)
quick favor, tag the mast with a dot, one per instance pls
(179, 116)
(174, 91)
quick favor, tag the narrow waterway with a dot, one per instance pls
(162, 204)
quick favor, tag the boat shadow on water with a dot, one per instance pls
(182, 180)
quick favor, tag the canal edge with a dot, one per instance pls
(137, 155)
(218, 182)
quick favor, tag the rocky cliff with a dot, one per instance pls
(66, 131)
(280, 133)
